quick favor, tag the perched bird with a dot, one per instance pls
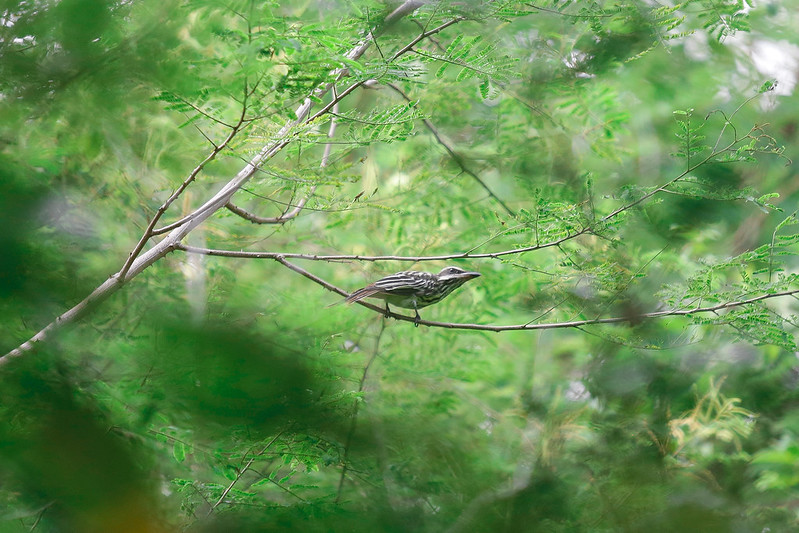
(412, 289)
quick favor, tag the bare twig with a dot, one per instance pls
(355, 409)
(454, 155)
(345, 257)
(241, 472)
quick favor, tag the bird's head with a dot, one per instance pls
(455, 273)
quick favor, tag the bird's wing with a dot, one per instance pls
(403, 282)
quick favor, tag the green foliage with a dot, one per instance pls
(384, 125)
(616, 175)
(723, 19)
(690, 140)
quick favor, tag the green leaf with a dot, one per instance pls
(179, 451)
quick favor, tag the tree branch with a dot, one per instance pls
(370, 258)
(551, 325)
(290, 214)
(454, 155)
(241, 472)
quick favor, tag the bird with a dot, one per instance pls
(413, 289)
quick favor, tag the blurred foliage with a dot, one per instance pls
(639, 146)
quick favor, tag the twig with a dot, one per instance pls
(242, 471)
(345, 257)
(355, 409)
(40, 514)
(454, 155)
(289, 214)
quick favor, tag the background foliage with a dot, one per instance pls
(634, 150)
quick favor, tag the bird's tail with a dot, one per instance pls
(360, 294)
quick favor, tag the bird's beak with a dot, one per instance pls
(470, 275)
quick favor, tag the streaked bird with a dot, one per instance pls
(413, 289)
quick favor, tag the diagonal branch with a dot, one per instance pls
(455, 155)
(241, 472)
(291, 212)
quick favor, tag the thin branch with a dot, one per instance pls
(552, 325)
(663, 188)
(203, 113)
(454, 155)
(288, 213)
(40, 514)
(424, 35)
(344, 257)
(242, 471)
(255, 219)
(355, 409)
(281, 487)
